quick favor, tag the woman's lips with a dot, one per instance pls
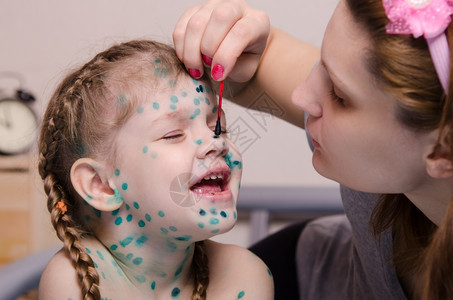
(315, 143)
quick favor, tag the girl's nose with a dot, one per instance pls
(307, 95)
(212, 144)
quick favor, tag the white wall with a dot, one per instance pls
(42, 39)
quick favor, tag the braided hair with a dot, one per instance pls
(78, 122)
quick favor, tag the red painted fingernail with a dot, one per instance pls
(207, 60)
(194, 73)
(217, 72)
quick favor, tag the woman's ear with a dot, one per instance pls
(89, 179)
(439, 162)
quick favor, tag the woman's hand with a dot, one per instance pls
(229, 35)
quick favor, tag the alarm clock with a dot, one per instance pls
(18, 124)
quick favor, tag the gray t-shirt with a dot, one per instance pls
(339, 258)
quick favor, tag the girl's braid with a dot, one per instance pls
(200, 269)
(58, 134)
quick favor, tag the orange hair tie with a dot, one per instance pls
(62, 206)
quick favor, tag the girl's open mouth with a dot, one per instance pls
(213, 186)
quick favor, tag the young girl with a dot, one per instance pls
(380, 118)
(137, 181)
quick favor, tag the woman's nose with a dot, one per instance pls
(307, 95)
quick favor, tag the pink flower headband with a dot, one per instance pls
(429, 18)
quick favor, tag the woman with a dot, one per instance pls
(379, 117)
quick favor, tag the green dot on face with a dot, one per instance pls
(140, 109)
(114, 247)
(198, 142)
(175, 293)
(118, 221)
(141, 223)
(161, 214)
(241, 294)
(136, 205)
(148, 217)
(121, 100)
(145, 149)
(100, 255)
(195, 113)
(140, 278)
(196, 101)
(214, 221)
(184, 94)
(172, 107)
(124, 186)
(164, 230)
(117, 172)
(129, 218)
(223, 214)
(173, 228)
(141, 240)
(201, 225)
(126, 241)
(156, 105)
(184, 238)
(153, 285)
(137, 261)
(207, 101)
(174, 99)
(215, 231)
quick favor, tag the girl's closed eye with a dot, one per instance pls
(174, 136)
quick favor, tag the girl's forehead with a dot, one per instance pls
(172, 98)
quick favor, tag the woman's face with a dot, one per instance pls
(358, 140)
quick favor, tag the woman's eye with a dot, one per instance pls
(335, 97)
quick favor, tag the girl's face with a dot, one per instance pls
(176, 177)
(358, 140)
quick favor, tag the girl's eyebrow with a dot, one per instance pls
(177, 114)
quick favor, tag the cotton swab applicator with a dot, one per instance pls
(218, 127)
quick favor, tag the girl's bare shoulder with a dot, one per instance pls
(237, 273)
(59, 279)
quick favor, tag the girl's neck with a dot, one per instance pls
(152, 264)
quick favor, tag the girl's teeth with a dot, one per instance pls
(213, 177)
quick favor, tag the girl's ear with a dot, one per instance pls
(89, 179)
(438, 162)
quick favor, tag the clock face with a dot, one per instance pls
(18, 126)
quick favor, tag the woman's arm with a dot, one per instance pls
(285, 64)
